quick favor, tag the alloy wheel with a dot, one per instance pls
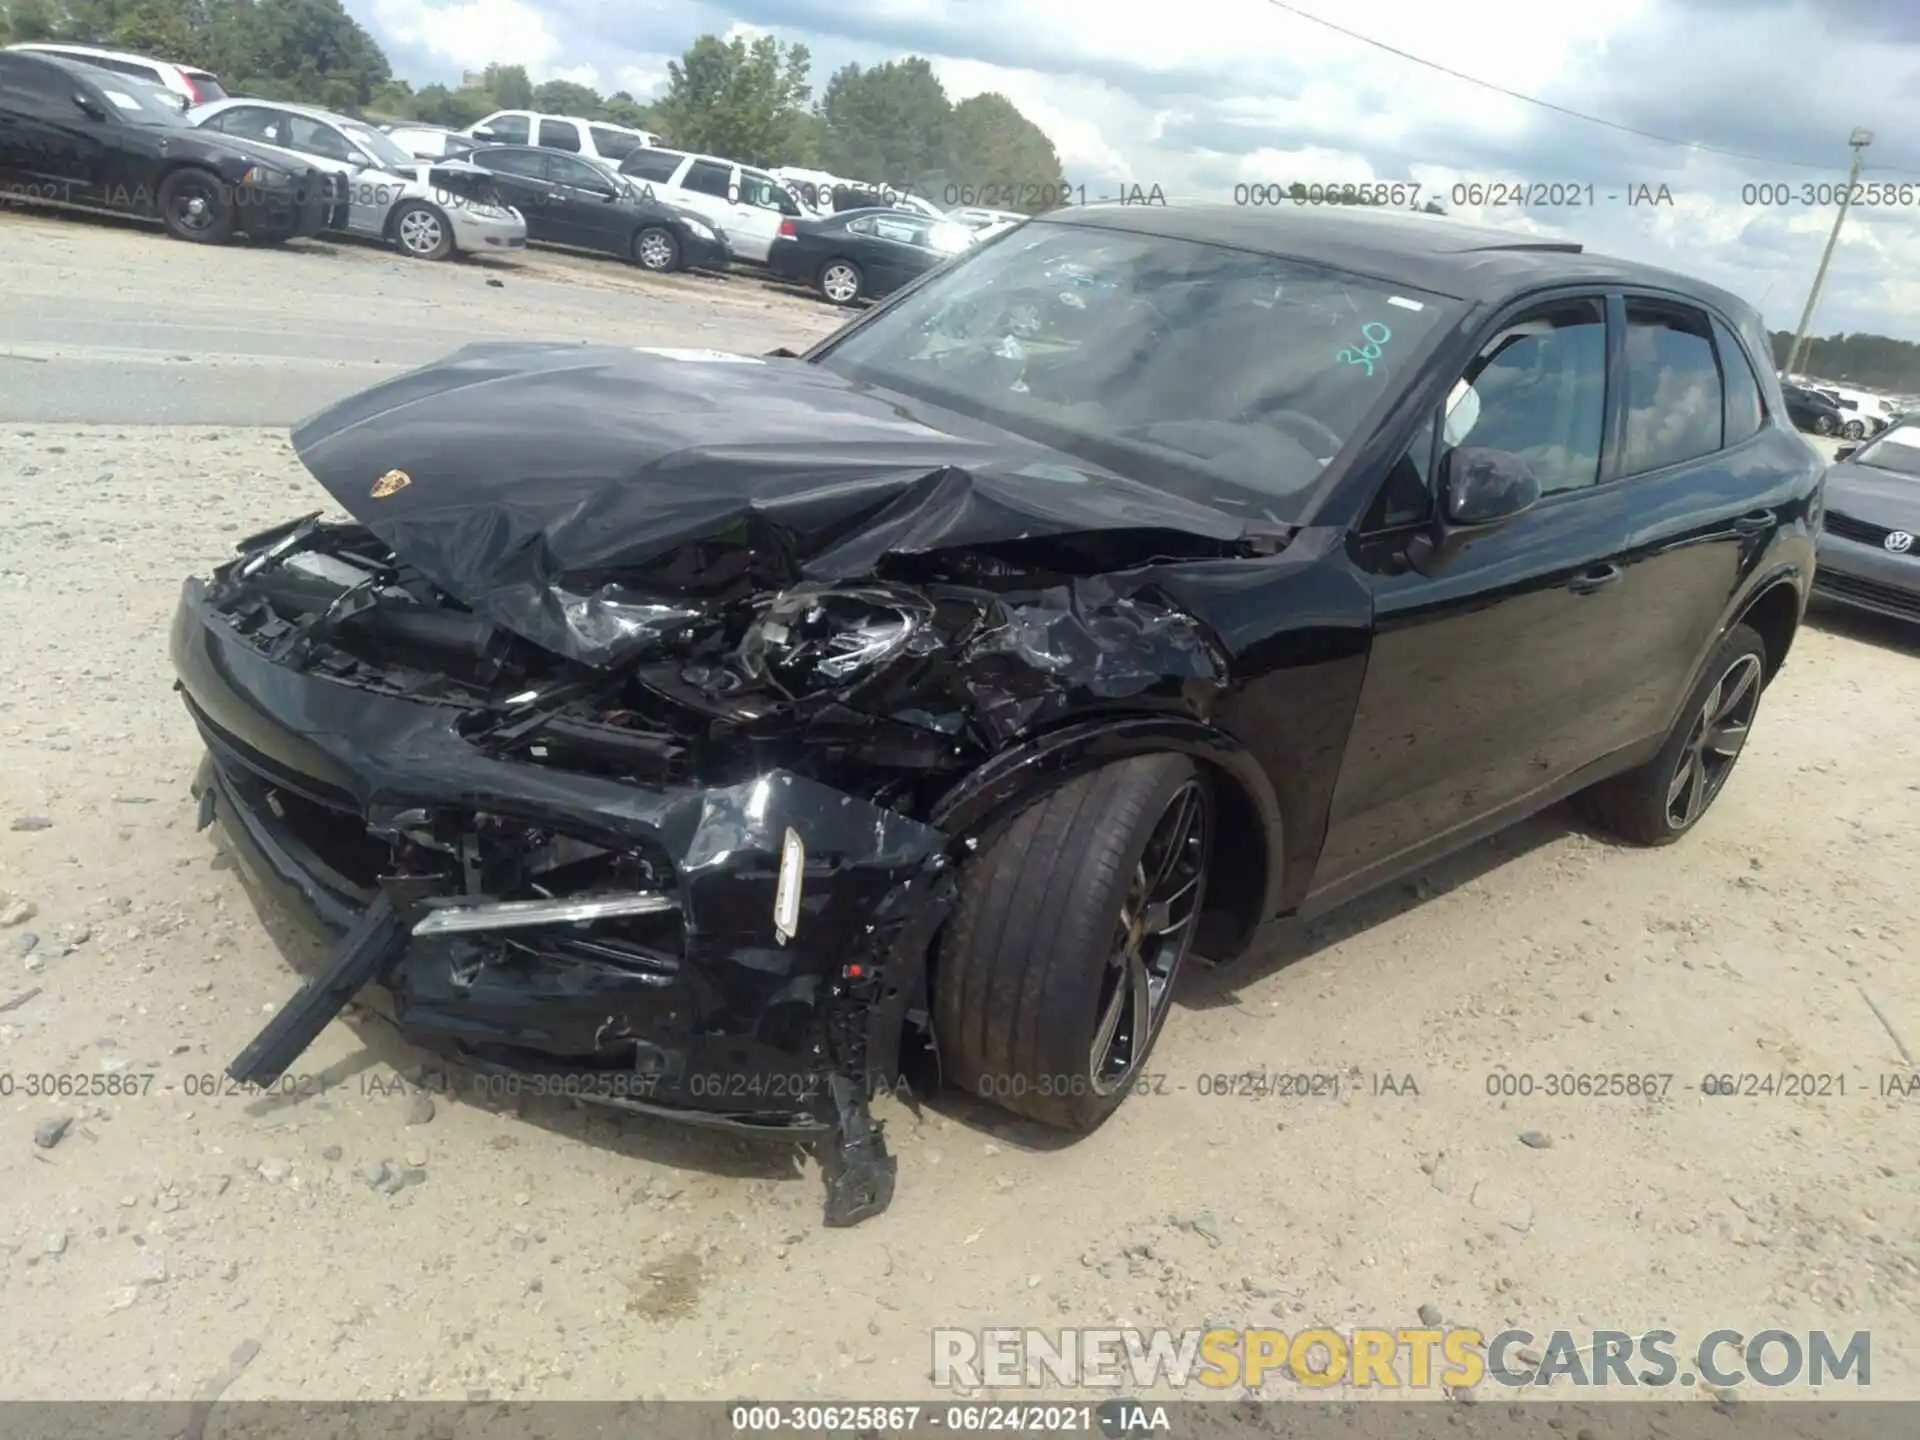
(656, 250)
(1719, 733)
(1153, 936)
(1853, 430)
(840, 283)
(1823, 424)
(194, 206)
(420, 232)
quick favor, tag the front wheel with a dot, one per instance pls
(1853, 430)
(840, 281)
(655, 249)
(422, 231)
(197, 206)
(1058, 968)
(1663, 799)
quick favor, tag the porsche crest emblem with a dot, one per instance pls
(391, 483)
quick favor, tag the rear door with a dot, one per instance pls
(1498, 678)
(585, 208)
(707, 188)
(762, 204)
(1701, 508)
(521, 178)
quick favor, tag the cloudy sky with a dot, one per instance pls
(1205, 95)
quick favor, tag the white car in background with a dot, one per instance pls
(589, 139)
(193, 86)
(429, 210)
(747, 203)
(976, 217)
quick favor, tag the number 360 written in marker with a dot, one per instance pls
(1370, 352)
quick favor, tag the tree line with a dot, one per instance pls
(1874, 361)
(752, 101)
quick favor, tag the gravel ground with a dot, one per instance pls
(384, 1233)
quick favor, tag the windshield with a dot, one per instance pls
(1175, 362)
(1897, 451)
(385, 152)
(138, 103)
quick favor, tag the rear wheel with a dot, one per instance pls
(840, 281)
(422, 231)
(1058, 968)
(1665, 798)
(1823, 424)
(197, 206)
(655, 249)
(1853, 430)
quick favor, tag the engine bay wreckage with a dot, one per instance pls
(628, 734)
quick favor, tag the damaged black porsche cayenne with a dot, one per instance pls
(737, 735)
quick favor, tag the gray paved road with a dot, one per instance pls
(109, 323)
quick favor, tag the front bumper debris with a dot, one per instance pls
(742, 955)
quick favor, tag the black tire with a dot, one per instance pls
(1823, 424)
(196, 206)
(835, 275)
(1028, 963)
(649, 253)
(1656, 804)
(1853, 430)
(421, 231)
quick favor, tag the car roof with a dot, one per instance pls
(1430, 252)
(60, 47)
(311, 112)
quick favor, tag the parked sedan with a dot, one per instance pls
(1811, 410)
(588, 205)
(717, 735)
(429, 211)
(863, 254)
(1869, 554)
(71, 134)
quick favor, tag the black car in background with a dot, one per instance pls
(568, 200)
(1870, 536)
(73, 134)
(1810, 410)
(861, 254)
(715, 734)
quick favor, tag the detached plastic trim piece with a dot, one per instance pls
(513, 914)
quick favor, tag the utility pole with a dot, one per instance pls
(1859, 140)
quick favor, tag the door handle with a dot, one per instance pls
(1753, 524)
(1596, 577)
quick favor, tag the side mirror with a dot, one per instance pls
(1481, 489)
(88, 106)
(1845, 452)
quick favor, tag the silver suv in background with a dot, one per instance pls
(193, 86)
(429, 210)
(591, 139)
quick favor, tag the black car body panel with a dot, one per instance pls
(806, 246)
(571, 201)
(618, 623)
(1870, 539)
(55, 151)
(1810, 410)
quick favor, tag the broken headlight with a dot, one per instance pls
(817, 637)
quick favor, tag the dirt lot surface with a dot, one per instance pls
(378, 1240)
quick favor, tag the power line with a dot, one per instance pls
(1562, 109)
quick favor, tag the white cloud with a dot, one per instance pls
(471, 34)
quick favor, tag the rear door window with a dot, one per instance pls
(611, 143)
(509, 129)
(709, 177)
(1674, 404)
(559, 135)
(650, 164)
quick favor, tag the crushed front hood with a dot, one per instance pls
(507, 473)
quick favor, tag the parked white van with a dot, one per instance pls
(747, 203)
(595, 139)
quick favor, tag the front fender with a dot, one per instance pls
(1242, 891)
